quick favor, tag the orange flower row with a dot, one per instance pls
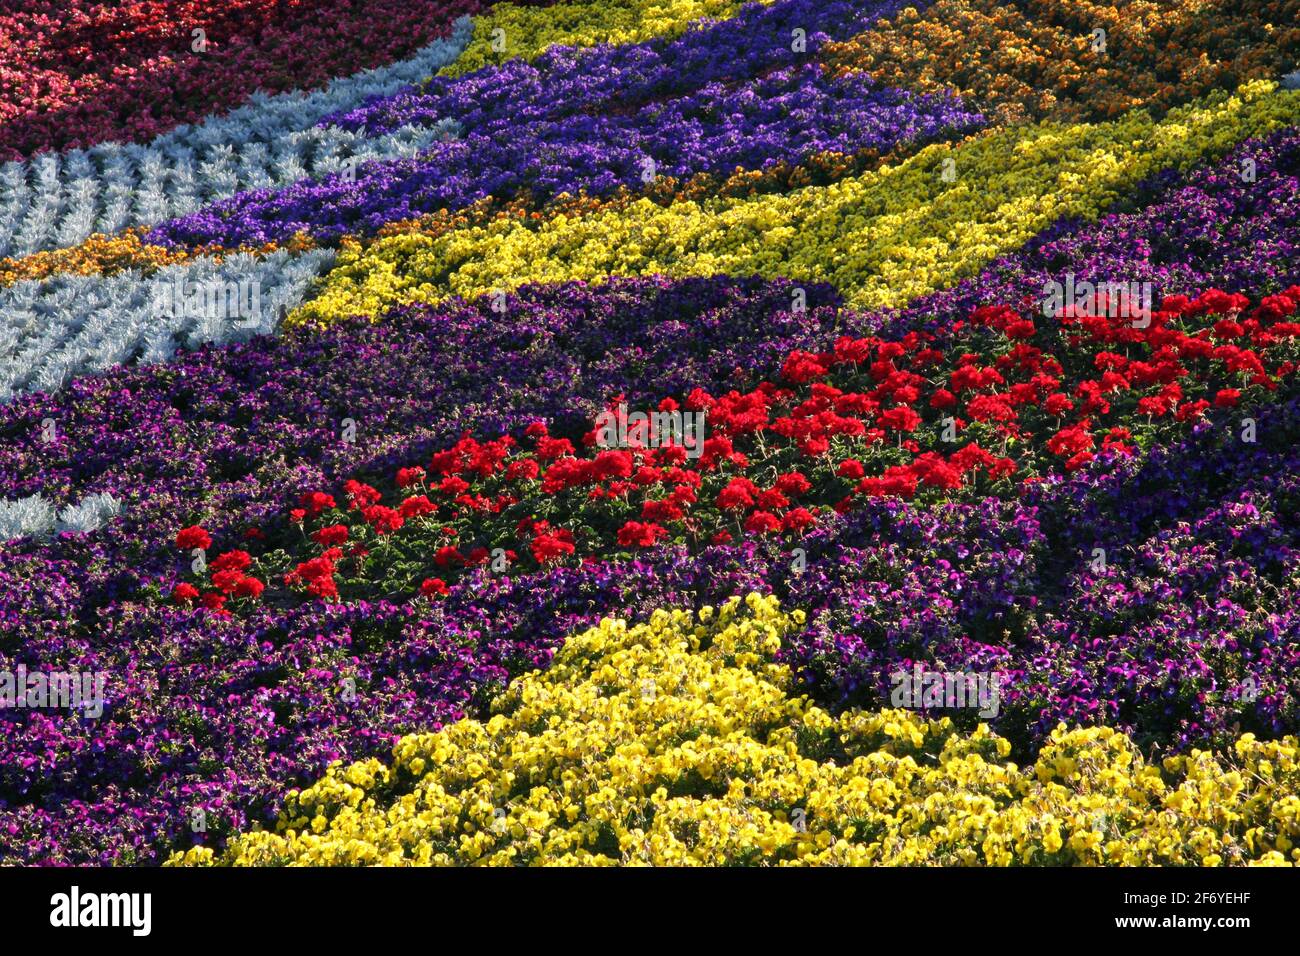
(1077, 61)
(107, 255)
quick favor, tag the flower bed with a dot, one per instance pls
(528, 31)
(1002, 398)
(906, 229)
(81, 73)
(976, 348)
(714, 130)
(680, 743)
(1045, 58)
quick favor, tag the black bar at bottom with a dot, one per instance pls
(335, 907)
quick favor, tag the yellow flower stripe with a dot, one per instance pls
(528, 31)
(677, 742)
(882, 238)
(107, 255)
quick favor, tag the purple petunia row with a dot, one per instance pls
(565, 80)
(785, 117)
(591, 117)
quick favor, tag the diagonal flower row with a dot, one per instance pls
(679, 741)
(1002, 398)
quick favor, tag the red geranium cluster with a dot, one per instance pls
(227, 570)
(996, 398)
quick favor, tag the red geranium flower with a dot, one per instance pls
(359, 494)
(796, 519)
(315, 568)
(213, 601)
(249, 588)
(1070, 441)
(332, 535)
(762, 522)
(793, 484)
(409, 476)
(526, 468)
(383, 520)
(451, 485)
(314, 502)
(551, 448)
(415, 506)
(552, 546)
(801, 367)
(231, 561)
(739, 493)
(323, 587)
(434, 587)
(193, 537)
(185, 593)
(447, 556)
(641, 535)
(900, 419)
(942, 398)
(1058, 404)
(225, 581)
